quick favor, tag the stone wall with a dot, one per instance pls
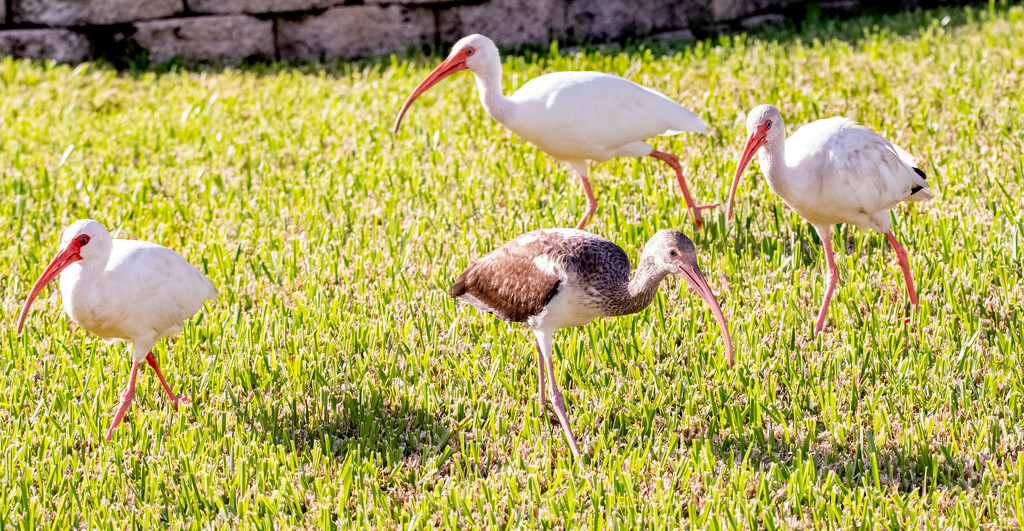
(231, 31)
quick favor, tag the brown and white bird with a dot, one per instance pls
(124, 289)
(573, 116)
(834, 171)
(557, 278)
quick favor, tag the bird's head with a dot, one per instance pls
(676, 253)
(475, 53)
(764, 125)
(673, 251)
(84, 239)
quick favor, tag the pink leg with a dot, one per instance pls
(591, 202)
(901, 256)
(151, 360)
(833, 279)
(673, 161)
(126, 400)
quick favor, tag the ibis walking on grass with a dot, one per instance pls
(834, 171)
(557, 278)
(573, 116)
(124, 289)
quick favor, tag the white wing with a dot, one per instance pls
(595, 116)
(846, 170)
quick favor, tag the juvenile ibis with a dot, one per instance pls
(573, 116)
(557, 278)
(124, 289)
(834, 171)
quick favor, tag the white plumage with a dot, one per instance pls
(834, 171)
(124, 289)
(573, 116)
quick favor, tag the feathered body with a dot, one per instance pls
(837, 171)
(581, 116)
(141, 293)
(556, 278)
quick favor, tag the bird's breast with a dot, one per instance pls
(89, 311)
(572, 306)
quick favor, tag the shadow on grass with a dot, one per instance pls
(919, 470)
(343, 423)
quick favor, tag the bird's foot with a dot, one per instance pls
(177, 399)
(126, 399)
(818, 327)
(913, 311)
(546, 409)
(697, 218)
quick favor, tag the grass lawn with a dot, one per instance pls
(335, 383)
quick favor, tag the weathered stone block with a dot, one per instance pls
(354, 31)
(257, 6)
(730, 10)
(59, 44)
(506, 22)
(842, 8)
(447, 3)
(756, 21)
(84, 12)
(596, 20)
(216, 39)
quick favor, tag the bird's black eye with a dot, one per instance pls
(82, 240)
(673, 253)
(768, 124)
(469, 51)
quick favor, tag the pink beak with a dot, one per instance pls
(757, 139)
(64, 258)
(454, 63)
(693, 276)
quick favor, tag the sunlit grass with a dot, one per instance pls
(334, 381)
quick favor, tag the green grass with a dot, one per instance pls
(335, 383)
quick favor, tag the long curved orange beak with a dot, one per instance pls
(454, 63)
(757, 139)
(696, 280)
(67, 256)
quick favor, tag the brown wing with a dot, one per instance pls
(507, 281)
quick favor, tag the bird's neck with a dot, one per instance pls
(488, 84)
(79, 281)
(642, 288)
(772, 157)
(84, 275)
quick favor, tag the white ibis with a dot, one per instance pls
(834, 171)
(124, 289)
(573, 116)
(557, 278)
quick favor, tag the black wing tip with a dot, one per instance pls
(923, 176)
(916, 189)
